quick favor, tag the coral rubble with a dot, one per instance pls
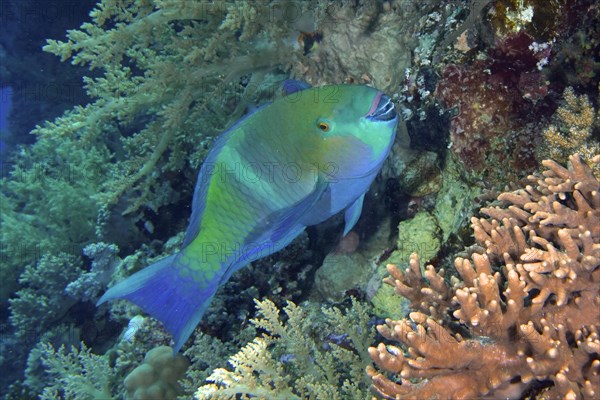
(525, 315)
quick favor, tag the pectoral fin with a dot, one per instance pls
(353, 214)
(286, 219)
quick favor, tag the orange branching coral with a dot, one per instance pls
(526, 314)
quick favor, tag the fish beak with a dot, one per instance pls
(382, 109)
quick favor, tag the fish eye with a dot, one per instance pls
(324, 126)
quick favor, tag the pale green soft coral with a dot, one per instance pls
(164, 86)
(161, 84)
(340, 273)
(49, 202)
(157, 103)
(426, 233)
(291, 361)
(76, 374)
(42, 300)
(388, 304)
(206, 354)
(420, 234)
(455, 203)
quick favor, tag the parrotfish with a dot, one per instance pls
(292, 163)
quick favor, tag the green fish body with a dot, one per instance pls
(290, 164)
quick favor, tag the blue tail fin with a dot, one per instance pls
(160, 290)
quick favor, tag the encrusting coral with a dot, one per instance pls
(525, 317)
(156, 377)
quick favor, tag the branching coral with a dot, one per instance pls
(525, 314)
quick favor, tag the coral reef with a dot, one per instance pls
(525, 313)
(162, 80)
(48, 203)
(576, 63)
(112, 178)
(346, 53)
(158, 99)
(433, 231)
(180, 47)
(512, 60)
(144, 369)
(539, 17)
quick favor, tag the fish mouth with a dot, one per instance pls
(382, 109)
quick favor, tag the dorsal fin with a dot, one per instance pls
(290, 86)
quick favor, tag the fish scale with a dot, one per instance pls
(318, 152)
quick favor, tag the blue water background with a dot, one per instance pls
(5, 104)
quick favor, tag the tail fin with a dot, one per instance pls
(162, 291)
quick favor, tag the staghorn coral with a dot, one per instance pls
(525, 314)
